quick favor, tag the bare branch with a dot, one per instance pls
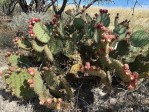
(59, 12)
(90, 4)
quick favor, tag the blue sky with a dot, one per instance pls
(123, 3)
(130, 3)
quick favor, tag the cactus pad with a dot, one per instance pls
(41, 32)
(104, 19)
(37, 46)
(39, 87)
(48, 53)
(70, 48)
(17, 82)
(78, 23)
(24, 44)
(139, 38)
(55, 45)
(18, 60)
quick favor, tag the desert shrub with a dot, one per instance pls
(19, 22)
(6, 37)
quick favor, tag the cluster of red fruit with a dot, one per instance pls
(106, 36)
(103, 11)
(32, 72)
(49, 101)
(55, 20)
(132, 75)
(88, 67)
(58, 101)
(31, 25)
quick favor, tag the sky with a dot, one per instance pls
(123, 3)
(130, 3)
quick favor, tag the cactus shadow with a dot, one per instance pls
(83, 96)
(34, 102)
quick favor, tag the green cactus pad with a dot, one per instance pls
(39, 87)
(13, 59)
(122, 30)
(77, 36)
(103, 19)
(139, 38)
(70, 48)
(97, 35)
(24, 44)
(67, 87)
(37, 46)
(122, 48)
(55, 45)
(48, 53)
(61, 30)
(18, 60)
(78, 23)
(17, 81)
(41, 32)
(50, 78)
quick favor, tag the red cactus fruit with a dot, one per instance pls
(49, 100)
(87, 65)
(30, 26)
(101, 11)
(33, 21)
(127, 72)
(30, 81)
(31, 71)
(126, 66)
(92, 67)
(9, 53)
(82, 69)
(42, 102)
(131, 86)
(136, 75)
(103, 28)
(96, 15)
(16, 39)
(54, 20)
(30, 32)
(110, 48)
(37, 19)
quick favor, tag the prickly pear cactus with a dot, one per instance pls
(75, 48)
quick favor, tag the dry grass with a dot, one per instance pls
(140, 17)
